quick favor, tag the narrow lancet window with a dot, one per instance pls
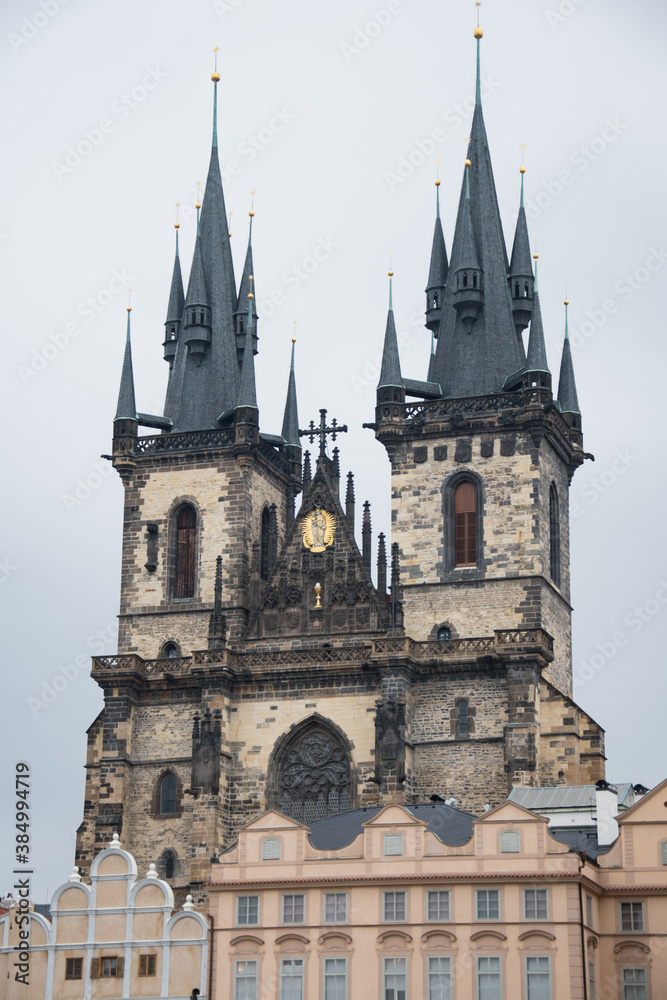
(465, 524)
(186, 531)
(554, 535)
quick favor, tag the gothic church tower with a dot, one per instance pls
(260, 664)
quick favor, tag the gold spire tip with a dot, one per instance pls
(251, 213)
(478, 33)
(437, 182)
(294, 340)
(177, 225)
(468, 163)
(566, 302)
(215, 76)
(522, 169)
(536, 256)
(390, 273)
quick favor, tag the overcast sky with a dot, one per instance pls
(328, 111)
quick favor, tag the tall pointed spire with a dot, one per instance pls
(437, 274)
(475, 355)
(567, 388)
(390, 372)
(290, 430)
(537, 352)
(431, 361)
(174, 308)
(197, 312)
(247, 390)
(244, 289)
(521, 270)
(127, 407)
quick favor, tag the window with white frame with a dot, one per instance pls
(634, 984)
(536, 904)
(440, 978)
(291, 979)
(488, 904)
(591, 981)
(335, 979)
(393, 843)
(294, 908)
(271, 849)
(538, 978)
(247, 910)
(437, 904)
(589, 910)
(245, 980)
(488, 978)
(335, 907)
(395, 979)
(510, 842)
(394, 906)
(632, 916)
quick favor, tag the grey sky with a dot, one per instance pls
(328, 112)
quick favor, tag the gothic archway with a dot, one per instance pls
(311, 773)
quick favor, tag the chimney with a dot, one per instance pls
(606, 811)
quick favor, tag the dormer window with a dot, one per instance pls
(510, 842)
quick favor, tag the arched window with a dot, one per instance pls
(264, 544)
(313, 776)
(186, 536)
(168, 794)
(554, 535)
(169, 863)
(444, 634)
(170, 651)
(462, 717)
(465, 524)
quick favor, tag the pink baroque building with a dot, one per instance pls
(430, 903)
(116, 936)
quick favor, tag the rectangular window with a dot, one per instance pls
(245, 980)
(591, 981)
(663, 853)
(589, 910)
(335, 907)
(437, 905)
(488, 904)
(271, 849)
(291, 979)
(393, 843)
(536, 904)
(632, 916)
(395, 979)
(634, 984)
(440, 978)
(147, 965)
(488, 979)
(294, 908)
(111, 968)
(73, 968)
(538, 978)
(247, 910)
(394, 906)
(510, 842)
(335, 979)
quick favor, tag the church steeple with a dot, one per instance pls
(468, 289)
(205, 380)
(290, 430)
(197, 312)
(247, 389)
(127, 407)
(537, 366)
(521, 271)
(567, 388)
(390, 387)
(437, 275)
(478, 347)
(240, 315)
(174, 309)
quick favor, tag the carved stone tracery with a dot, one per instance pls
(315, 778)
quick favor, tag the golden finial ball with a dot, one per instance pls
(177, 225)
(250, 295)
(522, 169)
(215, 77)
(390, 273)
(251, 213)
(468, 163)
(197, 205)
(536, 256)
(129, 309)
(437, 183)
(229, 234)
(294, 340)
(478, 33)
(567, 302)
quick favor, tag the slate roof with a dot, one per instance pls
(390, 372)
(127, 407)
(176, 297)
(580, 839)
(567, 387)
(290, 430)
(437, 275)
(537, 351)
(451, 825)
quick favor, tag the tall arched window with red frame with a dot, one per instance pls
(465, 524)
(186, 538)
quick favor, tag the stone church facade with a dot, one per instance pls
(268, 658)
